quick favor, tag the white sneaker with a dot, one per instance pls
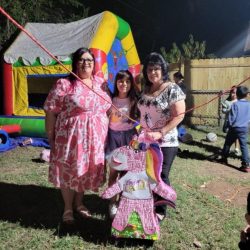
(237, 152)
(112, 210)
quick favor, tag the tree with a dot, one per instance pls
(191, 49)
(38, 11)
(194, 49)
(174, 55)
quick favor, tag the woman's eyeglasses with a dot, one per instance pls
(151, 69)
(85, 60)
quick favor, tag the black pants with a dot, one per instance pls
(169, 154)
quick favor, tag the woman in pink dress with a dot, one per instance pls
(76, 126)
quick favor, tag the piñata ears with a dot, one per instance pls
(154, 161)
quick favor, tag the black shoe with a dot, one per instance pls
(245, 164)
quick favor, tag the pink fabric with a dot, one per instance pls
(111, 191)
(134, 161)
(145, 209)
(117, 121)
(165, 191)
(77, 161)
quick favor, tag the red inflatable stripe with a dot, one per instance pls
(14, 128)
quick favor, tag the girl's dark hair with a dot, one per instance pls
(229, 98)
(131, 94)
(76, 57)
(153, 59)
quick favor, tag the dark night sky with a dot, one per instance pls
(161, 22)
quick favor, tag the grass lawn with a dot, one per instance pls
(209, 215)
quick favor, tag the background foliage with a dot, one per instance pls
(38, 11)
(190, 49)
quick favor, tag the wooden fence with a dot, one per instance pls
(204, 80)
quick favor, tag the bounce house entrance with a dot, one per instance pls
(38, 88)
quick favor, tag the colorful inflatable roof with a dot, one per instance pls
(29, 71)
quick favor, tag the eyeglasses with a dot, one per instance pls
(149, 69)
(85, 60)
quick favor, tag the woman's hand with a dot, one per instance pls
(155, 136)
(106, 89)
(50, 120)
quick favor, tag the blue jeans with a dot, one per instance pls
(241, 134)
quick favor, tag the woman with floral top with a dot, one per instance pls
(162, 108)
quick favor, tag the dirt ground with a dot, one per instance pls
(233, 193)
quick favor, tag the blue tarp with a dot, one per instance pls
(8, 143)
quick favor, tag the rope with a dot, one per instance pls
(54, 57)
(235, 193)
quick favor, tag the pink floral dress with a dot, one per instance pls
(77, 160)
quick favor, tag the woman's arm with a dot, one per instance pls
(177, 114)
(226, 106)
(50, 121)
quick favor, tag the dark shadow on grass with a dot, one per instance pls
(209, 147)
(232, 166)
(189, 154)
(215, 158)
(30, 205)
(99, 232)
(37, 160)
(186, 154)
(209, 129)
(42, 208)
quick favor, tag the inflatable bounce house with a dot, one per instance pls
(29, 72)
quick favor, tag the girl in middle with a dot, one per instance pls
(121, 129)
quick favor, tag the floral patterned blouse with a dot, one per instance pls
(155, 112)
